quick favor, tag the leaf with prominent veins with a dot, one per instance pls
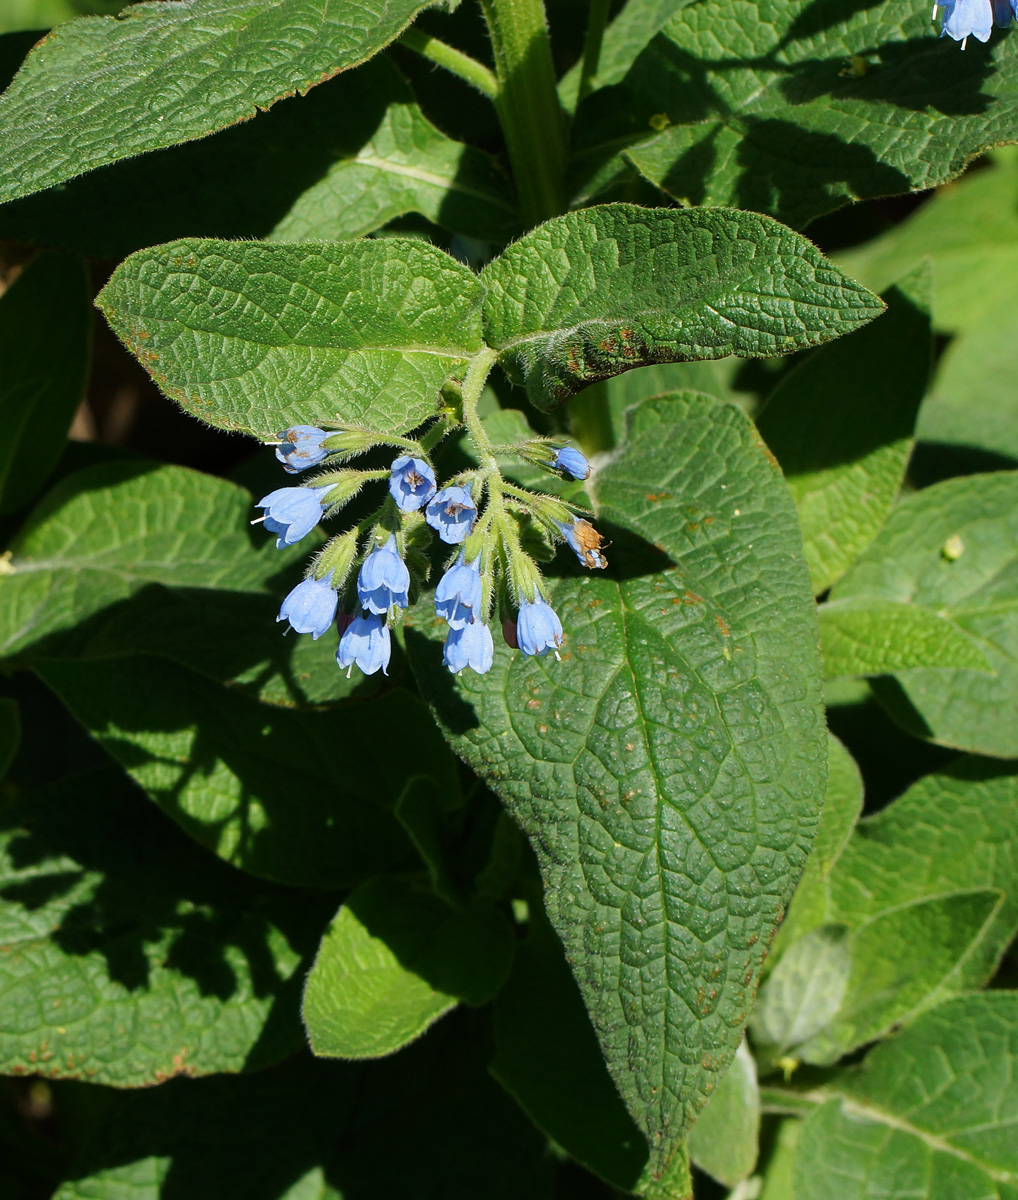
(101, 89)
(598, 292)
(257, 337)
(669, 769)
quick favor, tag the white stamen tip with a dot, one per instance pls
(257, 520)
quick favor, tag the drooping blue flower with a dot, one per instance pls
(365, 643)
(411, 482)
(452, 513)
(458, 595)
(311, 606)
(469, 646)
(384, 579)
(584, 541)
(301, 447)
(572, 462)
(968, 18)
(292, 512)
(538, 628)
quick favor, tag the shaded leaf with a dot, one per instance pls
(394, 960)
(877, 638)
(337, 163)
(969, 232)
(805, 990)
(594, 293)
(337, 1131)
(928, 1114)
(257, 337)
(95, 91)
(799, 108)
(304, 798)
(547, 1057)
(668, 769)
(45, 335)
(953, 548)
(104, 533)
(10, 733)
(129, 954)
(841, 425)
(928, 891)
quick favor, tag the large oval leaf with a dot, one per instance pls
(669, 770)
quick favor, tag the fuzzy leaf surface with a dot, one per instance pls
(131, 955)
(394, 960)
(929, 1113)
(594, 293)
(795, 109)
(257, 337)
(669, 769)
(105, 88)
(842, 424)
(953, 548)
(725, 1140)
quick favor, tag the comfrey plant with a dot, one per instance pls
(638, 814)
(479, 510)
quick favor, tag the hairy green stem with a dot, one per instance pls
(444, 55)
(592, 46)
(528, 105)
(473, 385)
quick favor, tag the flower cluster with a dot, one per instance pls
(480, 513)
(974, 18)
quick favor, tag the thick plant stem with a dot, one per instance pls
(528, 105)
(473, 385)
(438, 52)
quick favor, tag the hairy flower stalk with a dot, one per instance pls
(369, 573)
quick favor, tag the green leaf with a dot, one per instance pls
(315, 1130)
(547, 1057)
(255, 337)
(129, 954)
(394, 960)
(929, 1113)
(805, 991)
(595, 293)
(841, 425)
(778, 1182)
(796, 109)
(724, 1142)
(407, 166)
(928, 890)
(301, 797)
(10, 733)
(624, 38)
(96, 91)
(953, 548)
(681, 740)
(337, 163)
(879, 637)
(970, 233)
(103, 534)
(842, 807)
(903, 960)
(45, 334)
